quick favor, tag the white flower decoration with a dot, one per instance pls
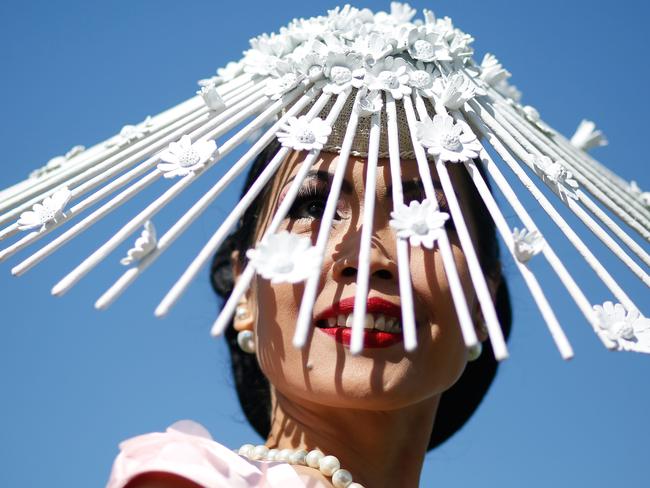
(182, 158)
(143, 245)
(454, 90)
(284, 258)
(259, 63)
(450, 141)
(231, 71)
(390, 75)
(212, 98)
(507, 90)
(311, 66)
(625, 330)
(48, 211)
(285, 78)
(370, 102)
(372, 47)
(400, 13)
(57, 162)
(555, 175)
(420, 223)
(303, 134)
(343, 71)
(131, 133)
(422, 79)
(527, 244)
(427, 46)
(532, 115)
(587, 137)
(492, 71)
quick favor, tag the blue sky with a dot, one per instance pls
(76, 381)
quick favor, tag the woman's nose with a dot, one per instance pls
(381, 267)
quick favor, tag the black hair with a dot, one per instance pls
(457, 404)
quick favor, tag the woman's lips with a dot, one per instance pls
(372, 338)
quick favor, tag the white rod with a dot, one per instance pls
(181, 284)
(580, 246)
(601, 184)
(609, 196)
(547, 251)
(403, 259)
(558, 335)
(455, 287)
(91, 158)
(199, 207)
(158, 204)
(120, 199)
(363, 271)
(105, 170)
(591, 224)
(475, 271)
(305, 318)
(246, 277)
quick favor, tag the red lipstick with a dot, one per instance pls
(372, 338)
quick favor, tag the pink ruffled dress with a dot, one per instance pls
(187, 449)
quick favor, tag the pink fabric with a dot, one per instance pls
(187, 450)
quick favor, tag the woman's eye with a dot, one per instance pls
(308, 207)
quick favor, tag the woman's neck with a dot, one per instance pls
(380, 448)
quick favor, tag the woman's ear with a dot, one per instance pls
(243, 319)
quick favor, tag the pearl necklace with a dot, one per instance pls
(328, 465)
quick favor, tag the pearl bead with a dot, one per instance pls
(355, 485)
(328, 464)
(245, 449)
(341, 478)
(283, 455)
(298, 457)
(271, 455)
(313, 458)
(259, 452)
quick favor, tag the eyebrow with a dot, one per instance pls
(324, 177)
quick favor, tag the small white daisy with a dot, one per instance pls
(182, 158)
(131, 133)
(555, 175)
(454, 90)
(143, 245)
(627, 330)
(284, 258)
(212, 98)
(303, 134)
(48, 211)
(420, 223)
(426, 45)
(343, 71)
(370, 102)
(587, 136)
(450, 141)
(422, 79)
(390, 75)
(492, 72)
(527, 244)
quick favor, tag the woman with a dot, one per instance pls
(376, 411)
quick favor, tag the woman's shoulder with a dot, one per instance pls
(186, 455)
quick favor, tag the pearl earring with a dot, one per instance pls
(246, 341)
(241, 312)
(474, 352)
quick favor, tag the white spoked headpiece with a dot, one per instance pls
(356, 83)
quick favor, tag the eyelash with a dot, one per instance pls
(307, 195)
(315, 193)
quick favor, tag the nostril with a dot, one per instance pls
(349, 272)
(384, 274)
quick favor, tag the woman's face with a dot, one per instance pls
(325, 371)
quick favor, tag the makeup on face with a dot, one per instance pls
(382, 328)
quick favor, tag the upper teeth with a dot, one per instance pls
(378, 322)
